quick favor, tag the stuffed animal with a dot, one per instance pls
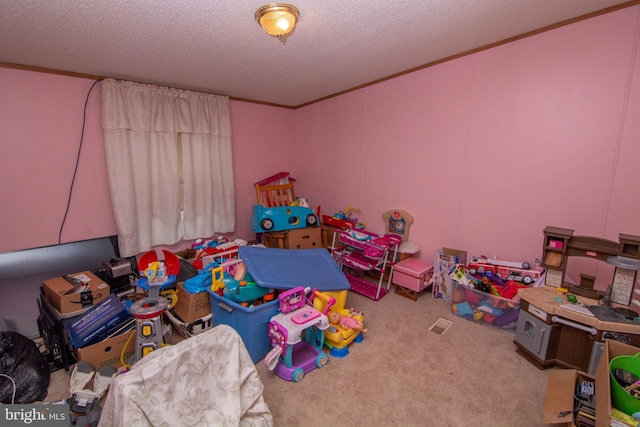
(345, 321)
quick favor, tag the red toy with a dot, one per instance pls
(171, 261)
(519, 271)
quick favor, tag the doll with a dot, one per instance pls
(345, 321)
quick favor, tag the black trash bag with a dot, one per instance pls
(21, 360)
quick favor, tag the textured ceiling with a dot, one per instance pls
(216, 46)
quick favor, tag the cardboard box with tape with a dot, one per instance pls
(75, 292)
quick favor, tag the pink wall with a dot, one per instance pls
(263, 145)
(40, 129)
(40, 126)
(487, 150)
(484, 151)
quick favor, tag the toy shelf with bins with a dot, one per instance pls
(364, 251)
(554, 254)
(556, 242)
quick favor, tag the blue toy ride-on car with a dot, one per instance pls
(282, 218)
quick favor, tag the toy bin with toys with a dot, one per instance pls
(272, 271)
(492, 304)
(250, 322)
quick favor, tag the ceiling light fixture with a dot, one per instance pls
(277, 19)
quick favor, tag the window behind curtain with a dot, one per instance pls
(169, 163)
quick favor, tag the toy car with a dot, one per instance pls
(517, 271)
(523, 277)
(282, 218)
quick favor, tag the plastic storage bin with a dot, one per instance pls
(250, 322)
(286, 268)
(279, 269)
(622, 399)
(412, 276)
(485, 308)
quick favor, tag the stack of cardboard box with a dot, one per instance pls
(97, 325)
(567, 398)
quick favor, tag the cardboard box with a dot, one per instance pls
(444, 262)
(67, 297)
(569, 398)
(107, 352)
(558, 399)
(191, 307)
(299, 238)
(604, 405)
(303, 238)
(99, 322)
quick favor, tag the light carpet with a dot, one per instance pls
(403, 374)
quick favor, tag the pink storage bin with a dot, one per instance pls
(412, 274)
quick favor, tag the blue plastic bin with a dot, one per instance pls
(288, 268)
(274, 269)
(250, 323)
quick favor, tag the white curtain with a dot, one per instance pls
(140, 124)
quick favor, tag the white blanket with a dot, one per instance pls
(206, 380)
